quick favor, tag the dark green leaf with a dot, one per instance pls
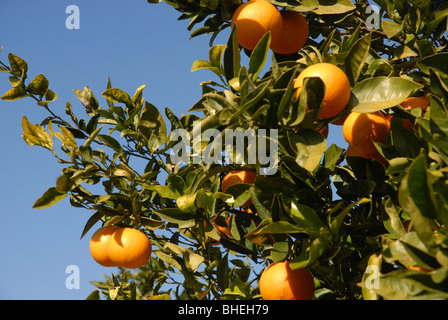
(15, 93)
(356, 58)
(18, 65)
(39, 85)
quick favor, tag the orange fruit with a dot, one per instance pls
(337, 87)
(279, 282)
(129, 248)
(340, 121)
(324, 131)
(352, 152)
(224, 231)
(294, 35)
(254, 19)
(416, 102)
(358, 129)
(406, 123)
(98, 245)
(237, 177)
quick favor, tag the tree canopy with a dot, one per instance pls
(366, 229)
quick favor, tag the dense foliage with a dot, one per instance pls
(341, 217)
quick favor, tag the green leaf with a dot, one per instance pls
(66, 136)
(117, 95)
(332, 155)
(331, 7)
(87, 98)
(356, 58)
(138, 94)
(391, 28)
(222, 272)
(94, 218)
(39, 85)
(152, 126)
(50, 96)
(177, 216)
(18, 65)
(201, 64)
(310, 255)
(305, 216)
(35, 134)
(416, 198)
(232, 57)
(110, 142)
(94, 295)
(438, 125)
(165, 191)
(380, 93)
(437, 62)
(259, 55)
(215, 56)
(15, 93)
(49, 198)
(310, 146)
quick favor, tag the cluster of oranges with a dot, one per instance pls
(289, 32)
(289, 29)
(361, 129)
(112, 246)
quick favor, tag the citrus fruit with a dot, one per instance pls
(324, 131)
(337, 87)
(360, 128)
(279, 282)
(254, 19)
(98, 245)
(129, 248)
(415, 102)
(352, 152)
(406, 123)
(340, 121)
(294, 35)
(186, 203)
(223, 226)
(237, 177)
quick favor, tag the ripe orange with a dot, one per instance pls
(340, 121)
(416, 102)
(129, 248)
(406, 123)
(359, 127)
(324, 131)
(237, 177)
(337, 87)
(98, 245)
(224, 231)
(279, 282)
(294, 35)
(254, 19)
(352, 152)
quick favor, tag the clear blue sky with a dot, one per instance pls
(134, 43)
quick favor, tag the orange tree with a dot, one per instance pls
(339, 216)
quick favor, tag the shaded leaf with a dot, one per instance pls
(49, 198)
(380, 93)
